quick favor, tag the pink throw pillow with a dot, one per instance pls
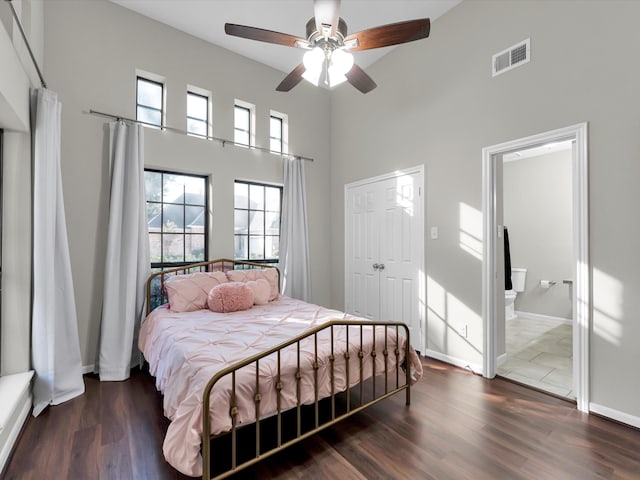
(230, 297)
(187, 293)
(268, 274)
(261, 291)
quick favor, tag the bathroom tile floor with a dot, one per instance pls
(540, 354)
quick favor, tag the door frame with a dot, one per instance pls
(422, 344)
(581, 267)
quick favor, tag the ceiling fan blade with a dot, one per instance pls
(326, 12)
(291, 80)
(359, 79)
(262, 35)
(392, 34)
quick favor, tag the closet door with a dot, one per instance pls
(362, 249)
(401, 251)
(384, 230)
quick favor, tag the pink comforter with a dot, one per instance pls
(185, 350)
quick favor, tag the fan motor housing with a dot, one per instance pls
(312, 32)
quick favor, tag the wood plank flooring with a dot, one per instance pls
(459, 426)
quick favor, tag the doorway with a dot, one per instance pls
(384, 249)
(493, 297)
(534, 206)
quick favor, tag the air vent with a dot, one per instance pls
(511, 58)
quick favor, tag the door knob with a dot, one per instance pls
(376, 266)
(381, 266)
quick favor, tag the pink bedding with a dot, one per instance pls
(185, 350)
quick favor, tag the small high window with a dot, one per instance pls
(275, 134)
(242, 126)
(257, 222)
(149, 101)
(197, 114)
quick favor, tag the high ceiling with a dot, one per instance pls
(206, 18)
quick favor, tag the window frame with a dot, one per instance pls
(251, 131)
(264, 234)
(145, 78)
(192, 91)
(165, 265)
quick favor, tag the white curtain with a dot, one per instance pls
(127, 257)
(294, 243)
(54, 330)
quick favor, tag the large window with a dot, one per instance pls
(177, 218)
(257, 222)
(197, 114)
(149, 101)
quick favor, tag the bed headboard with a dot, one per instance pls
(157, 295)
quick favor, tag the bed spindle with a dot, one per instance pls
(346, 366)
(298, 378)
(278, 403)
(385, 352)
(257, 399)
(332, 359)
(397, 352)
(373, 360)
(234, 415)
(315, 379)
(361, 358)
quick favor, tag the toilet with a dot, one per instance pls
(518, 276)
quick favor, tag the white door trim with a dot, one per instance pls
(422, 343)
(581, 299)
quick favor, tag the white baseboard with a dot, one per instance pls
(475, 368)
(87, 369)
(538, 316)
(615, 414)
(501, 359)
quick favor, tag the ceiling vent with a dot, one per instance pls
(511, 58)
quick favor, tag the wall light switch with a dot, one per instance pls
(434, 233)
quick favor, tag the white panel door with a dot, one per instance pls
(401, 251)
(362, 282)
(384, 251)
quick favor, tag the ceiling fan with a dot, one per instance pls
(328, 58)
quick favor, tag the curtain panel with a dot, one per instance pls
(294, 242)
(127, 263)
(54, 331)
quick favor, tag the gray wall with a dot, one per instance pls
(437, 104)
(92, 52)
(538, 213)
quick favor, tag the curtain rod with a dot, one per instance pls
(26, 42)
(222, 141)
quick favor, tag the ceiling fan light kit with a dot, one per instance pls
(328, 58)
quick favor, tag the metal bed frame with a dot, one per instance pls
(376, 394)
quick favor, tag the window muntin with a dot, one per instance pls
(176, 218)
(275, 134)
(197, 114)
(257, 222)
(242, 125)
(149, 101)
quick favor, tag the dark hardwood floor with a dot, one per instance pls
(459, 426)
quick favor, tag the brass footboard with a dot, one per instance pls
(391, 386)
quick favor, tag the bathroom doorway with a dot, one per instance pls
(540, 307)
(537, 253)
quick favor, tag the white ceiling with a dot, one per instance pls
(206, 18)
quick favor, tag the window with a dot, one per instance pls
(242, 125)
(149, 101)
(197, 114)
(176, 217)
(257, 222)
(275, 134)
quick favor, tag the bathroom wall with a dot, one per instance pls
(538, 214)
